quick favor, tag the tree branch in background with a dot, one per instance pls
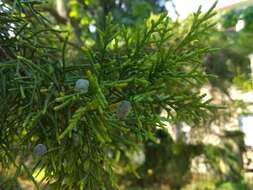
(175, 8)
(59, 19)
(61, 9)
(61, 15)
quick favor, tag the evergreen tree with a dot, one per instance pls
(78, 108)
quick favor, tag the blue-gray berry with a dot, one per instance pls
(40, 149)
(123, 109)
(82, 85)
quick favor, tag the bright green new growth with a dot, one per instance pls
(152, 66)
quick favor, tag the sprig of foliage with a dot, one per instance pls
(143, 65)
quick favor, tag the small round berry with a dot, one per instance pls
(40, 149)
(82, 85)
(123, 109)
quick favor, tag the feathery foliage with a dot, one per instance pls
(151, 66)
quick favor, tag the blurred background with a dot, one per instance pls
(218, 155)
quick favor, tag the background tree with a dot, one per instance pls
(232, 63)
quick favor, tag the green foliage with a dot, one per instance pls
(201, 184)
(9, 183)
(247, 16)
(232, 186)
(212, 185)
(123, 11)
(231, 64)
(153, 66)
(231, 18)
